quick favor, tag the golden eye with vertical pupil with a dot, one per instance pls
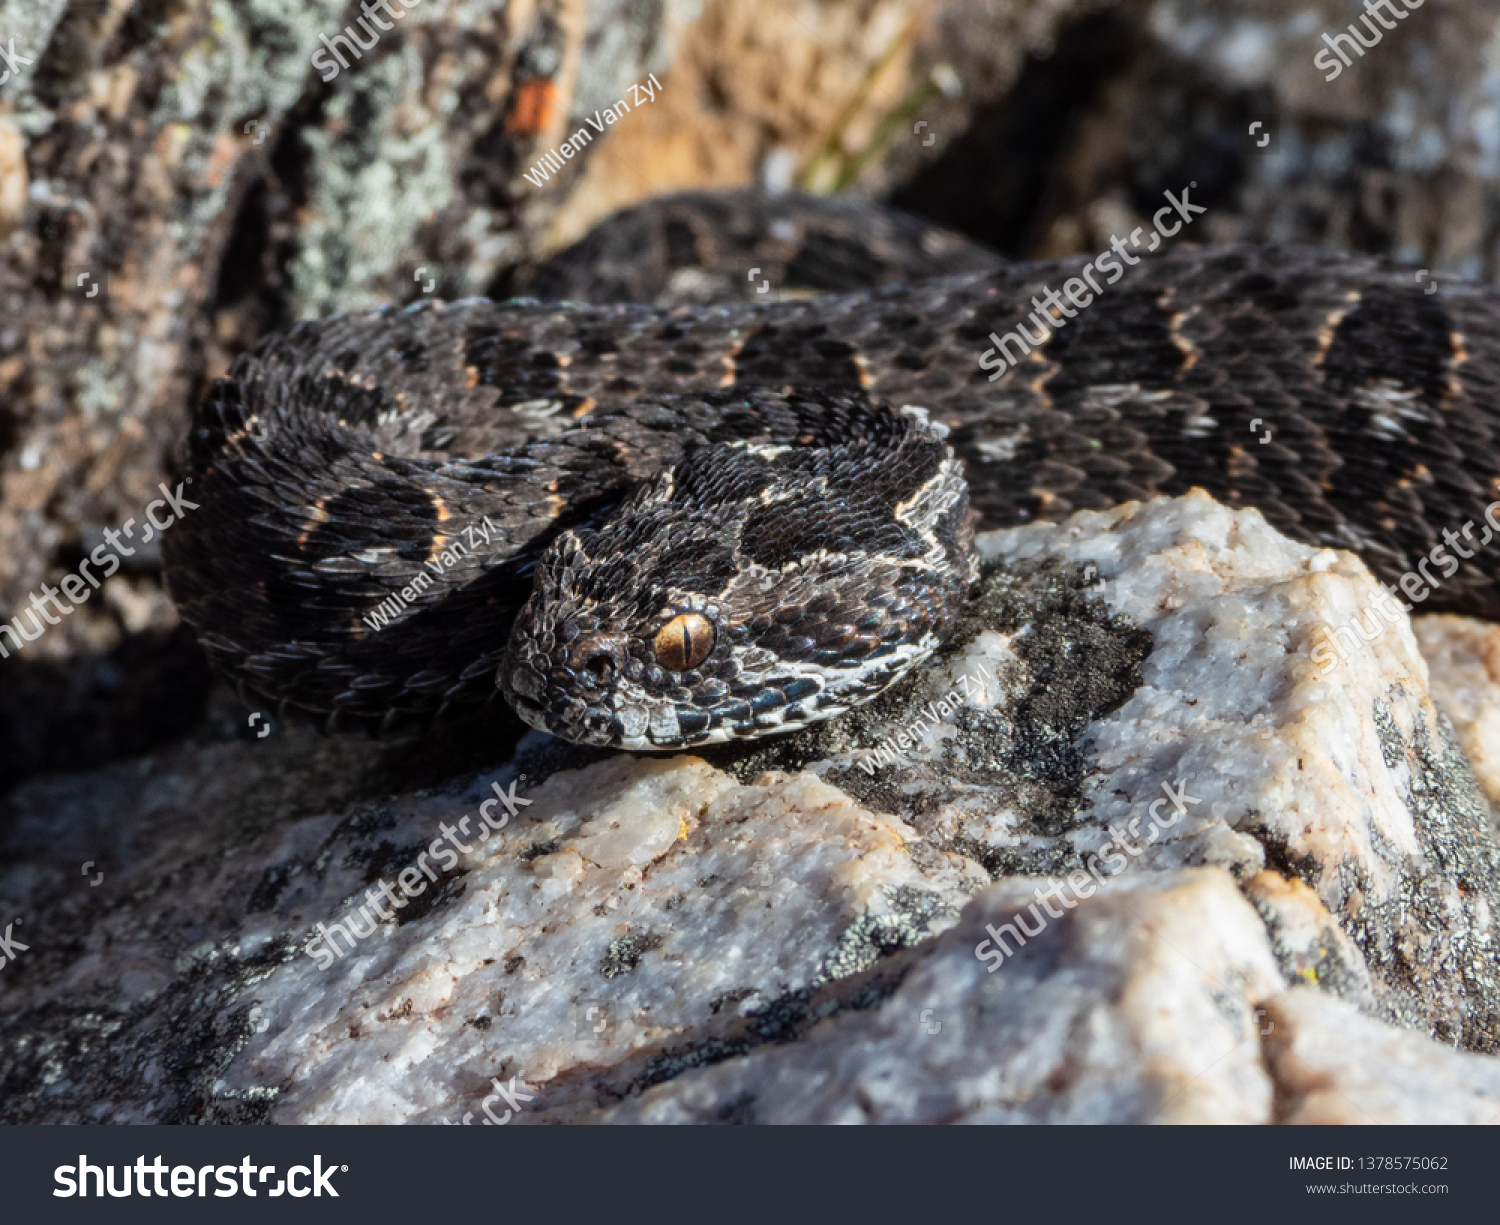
(684, 642)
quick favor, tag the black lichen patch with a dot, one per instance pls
(1279, 854)
(542, 759)
(163, 1056)
(386, 861)
(786, 1016)
(268, 890)
(625, 953)
(1427, 946)
(448, 889)
(537, 849)
(668, 1065)
(1431, 945)
(1079, 663)
(382, 860)
(1075, 679)
(785, 1019)
(873, 936)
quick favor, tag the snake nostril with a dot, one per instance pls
(600, 665)
(596, 659)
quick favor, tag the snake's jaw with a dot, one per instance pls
(791, 601)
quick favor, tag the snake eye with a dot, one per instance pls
(684, 642)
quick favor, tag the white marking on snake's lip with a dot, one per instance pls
(662, 725)
(634, 722)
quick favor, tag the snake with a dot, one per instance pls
(749, 502)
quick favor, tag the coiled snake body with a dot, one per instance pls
(659, 526)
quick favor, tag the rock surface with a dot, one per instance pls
(805, 928)
(1463, 661)
(632, 904)
(1138, 1006)
(1399, 153)
(1333, 1065)
(1339, 771)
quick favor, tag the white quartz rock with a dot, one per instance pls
(1339, 771)
(1463, 658)
(1333, 1065)
(632, 901)
(1138, 1005)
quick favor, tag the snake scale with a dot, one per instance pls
(659, 525)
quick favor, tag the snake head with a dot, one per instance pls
(751, 589)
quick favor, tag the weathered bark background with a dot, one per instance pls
(185, 158)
